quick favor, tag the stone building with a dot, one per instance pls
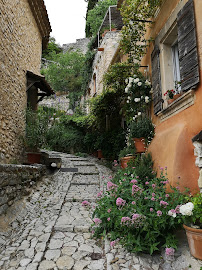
(24, 32)
(107, 50)
(81, 45)
(176, 55)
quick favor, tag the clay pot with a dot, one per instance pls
(170, 101)
(99, 154)
(125, 160)
(100, 49)
(140, 145)
(176, 96)
(194, 237)
(33, 157)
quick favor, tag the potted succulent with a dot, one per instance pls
(142, 132)
(192, 217)
(126, 155)
(36, 127)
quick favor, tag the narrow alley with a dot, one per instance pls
(53, 229)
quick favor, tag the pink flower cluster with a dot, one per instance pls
(133, 181)
(97, 221)
(85, 203)
(120, 202)
(136, 189)
(170, 251)
(163, 203)
(136, 221)
(125, 221)
(99, 194)
(111, 186)
(159, 213)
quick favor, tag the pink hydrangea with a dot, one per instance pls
(85, 203)
(97, 221)
(120, 201)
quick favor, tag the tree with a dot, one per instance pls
(96, 15)
(64, 74)
(52, 49)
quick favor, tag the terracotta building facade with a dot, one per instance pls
(24, 32)
(176, 56)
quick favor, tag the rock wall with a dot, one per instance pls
(80, 44)
(16, 181)
(20, 50)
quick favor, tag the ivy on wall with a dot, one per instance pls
(136, 14)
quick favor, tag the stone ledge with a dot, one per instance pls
(182, 103)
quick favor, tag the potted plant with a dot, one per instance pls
(169, 94)
(36, 127)
(142, 132)
(126, 155)
(192, 217)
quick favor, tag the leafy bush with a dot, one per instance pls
(143, 127)
(136, 212)
(128, 150)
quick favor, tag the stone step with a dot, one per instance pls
(81, 192)
(83, 163)
(85, 179)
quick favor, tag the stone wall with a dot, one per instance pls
(17, 181)
(20, 50)
(58, 102)
(103, 59)
(80, 44)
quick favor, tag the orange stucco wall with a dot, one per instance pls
(172, 145)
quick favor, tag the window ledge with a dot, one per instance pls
(180, 104)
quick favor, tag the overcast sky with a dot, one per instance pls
(67, 19)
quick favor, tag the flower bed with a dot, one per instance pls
(139, 212)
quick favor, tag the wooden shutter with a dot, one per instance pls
(187, 44)
(156, 80)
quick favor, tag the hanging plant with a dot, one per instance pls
(136, 14)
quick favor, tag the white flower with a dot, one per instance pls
(172, 214)
(137, 99)
(139, 83)
(126, 80)
(147, 83)
(126, 90)
(129, 97)
(136, 80)
(139, 113)
(147, 99)
(186, 209)
(134, 117)
(151, 91)
(131, 80)
(128, 101)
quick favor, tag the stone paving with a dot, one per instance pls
(52, 229)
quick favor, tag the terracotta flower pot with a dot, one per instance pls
(125, 160)
(194, 237)
(99, 154)
(170, 101)
(140, 145)
(176, 96)
(33, 157)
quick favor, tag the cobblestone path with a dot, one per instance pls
(52, 230)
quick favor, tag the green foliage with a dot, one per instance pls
(142, 127)
(127, 151)
(96, 15)
(36, 129)
(64, 74)
(134, 14)
(51, 50)
(136, 212)
(91, 4)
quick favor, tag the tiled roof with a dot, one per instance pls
(41, 16)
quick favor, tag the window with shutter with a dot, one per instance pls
(156, 80)
(187, 44)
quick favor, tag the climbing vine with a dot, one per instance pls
(136, 14)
